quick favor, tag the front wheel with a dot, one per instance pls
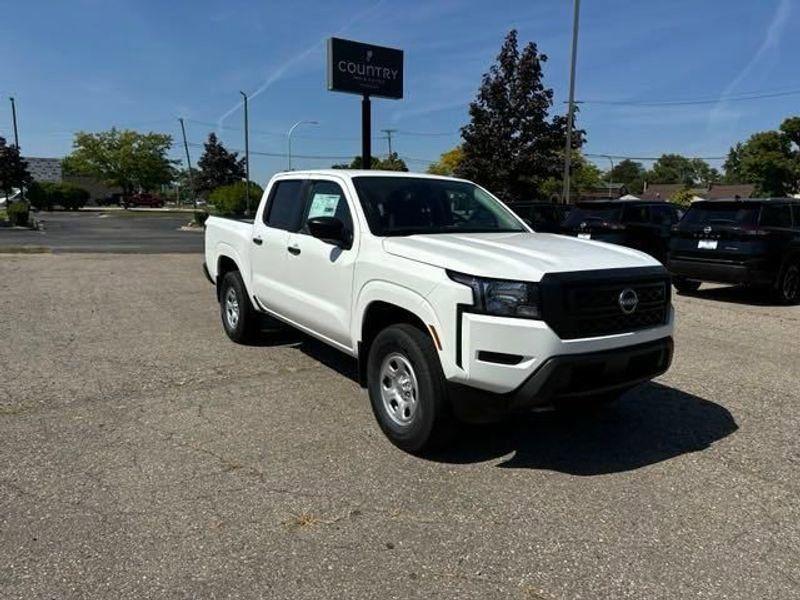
(685, 286)
(407, 389)
(787, 286)
(239, 319)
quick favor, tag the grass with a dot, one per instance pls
(24, 250)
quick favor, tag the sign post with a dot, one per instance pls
(366, 70)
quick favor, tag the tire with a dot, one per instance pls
(411, 407)
(239, 318)
(685, 286)
(787, 286)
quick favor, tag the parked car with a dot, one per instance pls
(544, 217)
(640, 224)
(452, 306)
(144, 199)
(753, 242)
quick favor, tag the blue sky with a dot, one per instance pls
(91, 64)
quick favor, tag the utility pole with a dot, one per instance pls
(246, 154)
(571, 110)
(189, 163)
(389, 133)
(14, 120)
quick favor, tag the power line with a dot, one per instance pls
(699, 101)
(619, 156)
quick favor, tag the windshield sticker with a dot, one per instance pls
(323, 205)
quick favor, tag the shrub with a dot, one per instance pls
(39, 197)
(200, 218)
(18, 213)
(683, 197)
(73, 197)
(231, 200)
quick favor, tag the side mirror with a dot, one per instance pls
(330, 230)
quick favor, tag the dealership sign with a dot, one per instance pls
(364, 69)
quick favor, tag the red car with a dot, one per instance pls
(144, 199)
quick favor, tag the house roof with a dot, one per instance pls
(661, 191)
(718, 191)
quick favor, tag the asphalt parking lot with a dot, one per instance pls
(144, 455)
(115, 231)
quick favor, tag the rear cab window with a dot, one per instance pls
(285, 205)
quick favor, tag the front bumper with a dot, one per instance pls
(570, 376)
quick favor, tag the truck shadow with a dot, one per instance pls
(646, 426)
(735, 294)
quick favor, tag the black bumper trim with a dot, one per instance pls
(718, 271)
(569, 376)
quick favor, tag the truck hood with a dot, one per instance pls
(523, 256)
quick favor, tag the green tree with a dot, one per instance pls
(217, 166)
(13, 168)
(511, 146)
(629, 173)
(391, 163)
(448, 162)
(231, 200)
(123, 158)
(674, 168)
(768, 160)
(683, 197)
(584, 176)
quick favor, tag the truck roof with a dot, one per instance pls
(367, 173)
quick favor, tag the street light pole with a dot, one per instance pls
(289, 139)
(571, 110)
(14, 120)
(389, 133)
(246, 154)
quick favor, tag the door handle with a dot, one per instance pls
(258, 241)
(293, 250)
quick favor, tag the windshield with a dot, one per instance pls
(406, 206)
(729, 214)
(597, 214)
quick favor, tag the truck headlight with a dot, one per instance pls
(501, 297)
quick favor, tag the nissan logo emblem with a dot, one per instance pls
(628, 301)
(706, 229)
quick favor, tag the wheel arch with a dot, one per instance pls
(383, 304)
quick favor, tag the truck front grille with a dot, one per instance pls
(579, 305)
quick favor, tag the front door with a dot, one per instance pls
(321, 274)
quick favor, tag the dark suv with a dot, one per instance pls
(753, 242)
(640, 224)
(544, 217)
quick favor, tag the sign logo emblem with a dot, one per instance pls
(706, 229)
(628, 301)
(583, 225)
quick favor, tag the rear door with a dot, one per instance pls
(719, 231)
(319, 274)
(776, 222)
(279, 217)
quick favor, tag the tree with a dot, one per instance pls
(682, 197)
(217, 166)
(674, 168)
(13, 168)
(123, 158)
(584, 176)
(231, 200)
(510, 145)
(629, 173)
(768, 160)
(391, 163)
(448, 162)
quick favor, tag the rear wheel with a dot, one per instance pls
(685, 286)
(787, 286)
(239, 318)
(407, 389)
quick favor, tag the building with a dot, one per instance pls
(44, 169)
(717, 191)
(609, 191)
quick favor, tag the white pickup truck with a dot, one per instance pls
(453, 306)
